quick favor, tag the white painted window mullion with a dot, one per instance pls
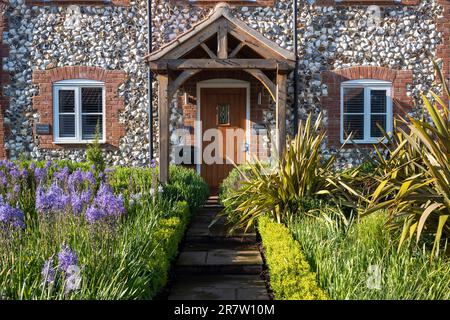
(367, 114)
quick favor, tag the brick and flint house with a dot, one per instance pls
(70, 66)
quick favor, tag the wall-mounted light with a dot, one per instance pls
(259, 98)
(186, 98)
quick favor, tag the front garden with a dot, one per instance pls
(376, 231)
(79, 231)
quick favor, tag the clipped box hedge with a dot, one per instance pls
(291, 277)
(166, 239)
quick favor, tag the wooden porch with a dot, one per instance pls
(219, 42)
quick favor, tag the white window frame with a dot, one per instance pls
(76, 85)
(368, 85)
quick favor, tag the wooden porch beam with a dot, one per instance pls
(185, 75)
(230, 64)
(281, 113)
(222, 40)
(270, 86)
(163, 113)
(236, 50)
(211, 54)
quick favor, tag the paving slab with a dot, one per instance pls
(217, 265)
(228, 257)
(224, 287)
(192, 258)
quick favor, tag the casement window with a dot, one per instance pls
(78, 108)
(365, 105)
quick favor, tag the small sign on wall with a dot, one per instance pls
(42, 128)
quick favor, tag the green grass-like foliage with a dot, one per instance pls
(302, 173)
(342, 258)
(291, 277)
(130, 260)
(414, 178)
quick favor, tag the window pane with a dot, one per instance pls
(91, 100)
(378, 101)
(353, 100)
(66, 101)
(67, 125)
(375, 132)
(89, 123)
(354, 124)
(224, 113)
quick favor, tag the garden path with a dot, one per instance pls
(214, 265)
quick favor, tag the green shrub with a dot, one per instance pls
(94, 153)
(291, 277)
(185, 184)
(343, 258)
(231, 185)
(165, 246)
(413, 179)
(302, 172)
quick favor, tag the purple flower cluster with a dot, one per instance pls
(52, 200)
(105, 206)
(48, 271)
(11, 217)
(66, 258)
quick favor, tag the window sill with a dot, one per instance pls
(350, 142)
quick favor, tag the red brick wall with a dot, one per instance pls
(43, 103)
(333, 79)
(4, 79)
(443, 50)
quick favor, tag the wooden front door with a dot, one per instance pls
(223, 109)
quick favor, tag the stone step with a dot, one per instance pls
(223, 287)
(220, 261)
(201, 230)
(204, 246)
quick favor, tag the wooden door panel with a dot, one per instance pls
(210, 100)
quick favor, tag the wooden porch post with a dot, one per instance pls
(163, 113)
(281, 113)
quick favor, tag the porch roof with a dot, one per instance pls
(222, 22)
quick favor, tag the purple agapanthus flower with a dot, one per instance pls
(14, 173)
(62, 175)
(77, 203)
(48, 164)
(66, 258)
(75, 180)
(105, 206)
(51, 200)
(24, 173)
(10, 216)
(153, 163)
(40, 173)
(16, 188)
(48, 271)
(89, 177)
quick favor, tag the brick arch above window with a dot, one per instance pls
(43, 103)
(333, 79)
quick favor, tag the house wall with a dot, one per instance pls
(115, 38)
